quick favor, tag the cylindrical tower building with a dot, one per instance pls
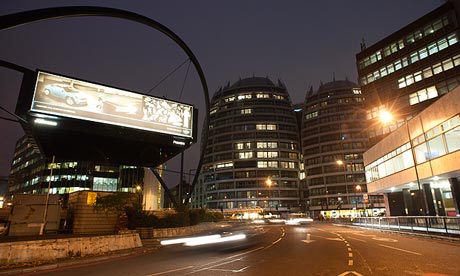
(333, 143)
(252, 156)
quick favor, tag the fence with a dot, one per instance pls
(432, 225)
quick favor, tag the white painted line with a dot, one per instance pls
(350, 262)
(349, 249)
(350, 255)
(357, 239)
(172, 270)
(352, 272)
(403, 250)
(277, 241)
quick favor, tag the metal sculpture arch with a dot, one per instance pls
(21, 18)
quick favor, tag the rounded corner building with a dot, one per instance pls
(252, 155)
(334, 139)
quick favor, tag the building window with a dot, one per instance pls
(246, 111)
(267, 164)
(267, 154)
(105, 184)
(245, 155)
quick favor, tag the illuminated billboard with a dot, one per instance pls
(67, 97)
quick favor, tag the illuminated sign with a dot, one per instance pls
(62, 96)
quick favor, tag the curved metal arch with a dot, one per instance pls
(21, 18)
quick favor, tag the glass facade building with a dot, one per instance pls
(31, 174)
(417, 165)
(252, 154)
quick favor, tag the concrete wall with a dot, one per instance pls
(28, 213)
(87, 220)
(55, 249)
(150, 233)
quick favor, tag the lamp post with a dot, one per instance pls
(139, 196)
(357, 189)
(340, 163)
(386, 117)
(269, 183)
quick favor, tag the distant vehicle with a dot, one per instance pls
(65, 92)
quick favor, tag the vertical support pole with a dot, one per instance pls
(45, 213)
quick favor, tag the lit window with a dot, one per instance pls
(262, 95)
(244, 96)
(245, 155)
(246, 111)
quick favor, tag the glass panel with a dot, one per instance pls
(414, 57)
(423, 53)
(427, 73)
(432, 48)
(421, 153)
(413, 99)
(453, 139)
(436, 147)
(442, 44)
(432, 92)
(447, 64)
(437, 68)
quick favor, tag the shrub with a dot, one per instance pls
(213, 216)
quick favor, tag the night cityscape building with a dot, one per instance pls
(401, 76)
(333, 141)
(252, 156)
(408, 70)
(32, 174)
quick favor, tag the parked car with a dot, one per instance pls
(65, 92)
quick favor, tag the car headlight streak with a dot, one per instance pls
(202, 240)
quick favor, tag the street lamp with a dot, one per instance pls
(386, 117)
(340, 163)
(269, 183)
(357, 190)
(139, 195)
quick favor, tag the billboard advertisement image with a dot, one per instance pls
(67, 97)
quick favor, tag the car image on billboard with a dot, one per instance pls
(67, 93)
(103, 104)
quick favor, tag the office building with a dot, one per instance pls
(252, 155)
(416, 166)
(409, 69)
(333, 141)
(31, 174)
(401, 77)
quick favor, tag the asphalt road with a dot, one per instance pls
(313, 249)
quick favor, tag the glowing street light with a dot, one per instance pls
(269, 183)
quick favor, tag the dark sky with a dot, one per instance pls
(303, 43)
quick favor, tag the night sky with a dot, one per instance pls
(303, 43)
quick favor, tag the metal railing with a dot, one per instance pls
(431, 225)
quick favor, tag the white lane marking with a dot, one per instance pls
(350, 255)
(170, 271)
(277, 241)
(231, 270)
(349, 249)
(403, 250)
(350, 263)
(357, 239)
(384, 239)
(352, 272)
(244, 253)
(220, 264)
